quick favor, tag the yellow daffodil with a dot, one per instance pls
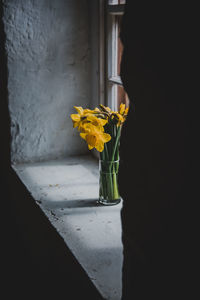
(75, 119)
(119, 119)
(90, 124)
(79, 118)
(79, 110)
(97, 121)
(122, 108)
(82, 111)
(105, 109)
(87, 116)
(120, 116)
(97, 127)
(95, 137)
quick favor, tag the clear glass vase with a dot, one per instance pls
(108, 184)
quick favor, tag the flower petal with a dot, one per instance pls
(79, 109)
(87, 111)
(75, 124)
(75, 117)
(91, 139)
(91, 118)
(106, 137)
(90, 147)
(122, 108)
(103, 122)
(83, 135)
(104, 108)
(126, 111)
(100, 146)
(96, 121)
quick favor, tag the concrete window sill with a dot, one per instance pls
(67, 191)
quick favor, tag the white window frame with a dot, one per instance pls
(102, 52)
(108, 56)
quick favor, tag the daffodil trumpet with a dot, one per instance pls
(101, 129)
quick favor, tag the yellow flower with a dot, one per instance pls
(95, 137)
(82, 111)
(120, 116)
(105, 109)
(80, 118)
(85, 116)
(96, 121)
(126, 111)
(75, 119)
(122, 108)
(79, 110)
(119, 119)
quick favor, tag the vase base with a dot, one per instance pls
(108, 202)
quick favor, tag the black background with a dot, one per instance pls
(159, 150)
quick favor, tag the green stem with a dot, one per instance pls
(115, 187)
(111, 185)
(116, 143)
(106, 152)
(109, 170)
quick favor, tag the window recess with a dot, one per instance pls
(115, 93)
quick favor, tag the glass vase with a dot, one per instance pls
(108, 182)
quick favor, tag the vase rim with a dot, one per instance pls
(109, 161)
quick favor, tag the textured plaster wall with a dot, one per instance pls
(48, 48)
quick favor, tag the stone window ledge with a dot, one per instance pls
(66, 191)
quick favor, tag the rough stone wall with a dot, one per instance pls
(48, 73)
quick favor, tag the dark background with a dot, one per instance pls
(158, 150)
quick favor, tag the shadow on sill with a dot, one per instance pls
(83, 203)
(37, 260)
